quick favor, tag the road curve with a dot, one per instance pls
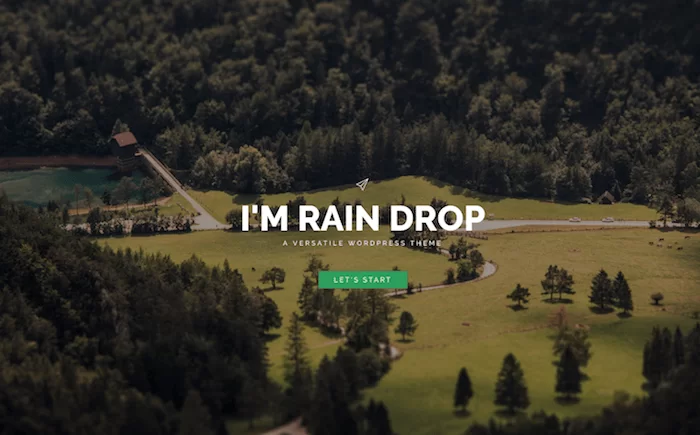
(204, 221)
(489, 269)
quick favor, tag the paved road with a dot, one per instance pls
(205, 221)
(498, 224)
(489, 269)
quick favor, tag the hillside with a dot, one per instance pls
(516, 98)
(421, 190)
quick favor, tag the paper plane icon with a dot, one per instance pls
(362, 184)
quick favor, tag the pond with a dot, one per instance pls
(36, 187)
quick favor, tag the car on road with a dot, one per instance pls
(575, 219)
(608, 219)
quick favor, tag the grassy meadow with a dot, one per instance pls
(420, 190)
(418, 390)
(262, 251)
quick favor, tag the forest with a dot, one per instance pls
(102, 341)
(538, 98)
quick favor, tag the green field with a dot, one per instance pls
(420, 190)
(261, 251)
(419, 388)
(176, 205)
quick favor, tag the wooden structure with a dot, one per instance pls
(124, 147)
(606, 198)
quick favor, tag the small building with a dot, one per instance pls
(606, 198)
(124, 146)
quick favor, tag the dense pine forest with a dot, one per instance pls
(531, 98)
(98, 341)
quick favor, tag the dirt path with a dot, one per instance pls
(204, 221)
(294, 427)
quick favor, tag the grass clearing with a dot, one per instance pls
(262, 251)
(420, 190)
(418, 390)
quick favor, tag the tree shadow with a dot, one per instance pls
(401, 296)
(567, 400)
(516, 307)
(245, 199)
(461, 413)
(504, 413)
(624, 315)
(599, 310)
(558, 301)
(271, 337)
(270, 289)
(331, 332)
(405, 340)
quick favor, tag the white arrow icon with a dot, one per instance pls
(362, 184)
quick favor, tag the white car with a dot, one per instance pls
(575, 219)
(608, 219)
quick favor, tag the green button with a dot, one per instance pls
(363, 279)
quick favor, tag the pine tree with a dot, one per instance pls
(511, 390)
(658, 357)
(306, 299)
(601, 290)
(407, 325)
(678, 348)
(575, 339)
(549, 281)
(463, 390)
(564, 283)
(568, 374)
(346, 360)
(297, 369)
(520, 295)
(622, 293)
(330, 403)
(692, 349)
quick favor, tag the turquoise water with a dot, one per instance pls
(36, 187)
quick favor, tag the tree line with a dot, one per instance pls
(605, 294)
(512, 98)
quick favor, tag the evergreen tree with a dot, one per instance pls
(519, 295)
(665, 208)
(330, 403)
(511, 390)
(601, 290)
(297, 369)
(407, 325)
(314, 266)
(564, 283)
(346, 359)
(305, 301)
(576, 340)
(678, 348)
(658, 356)
(568, 374)
(549, 283)
(622, 293)
(463, 390)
